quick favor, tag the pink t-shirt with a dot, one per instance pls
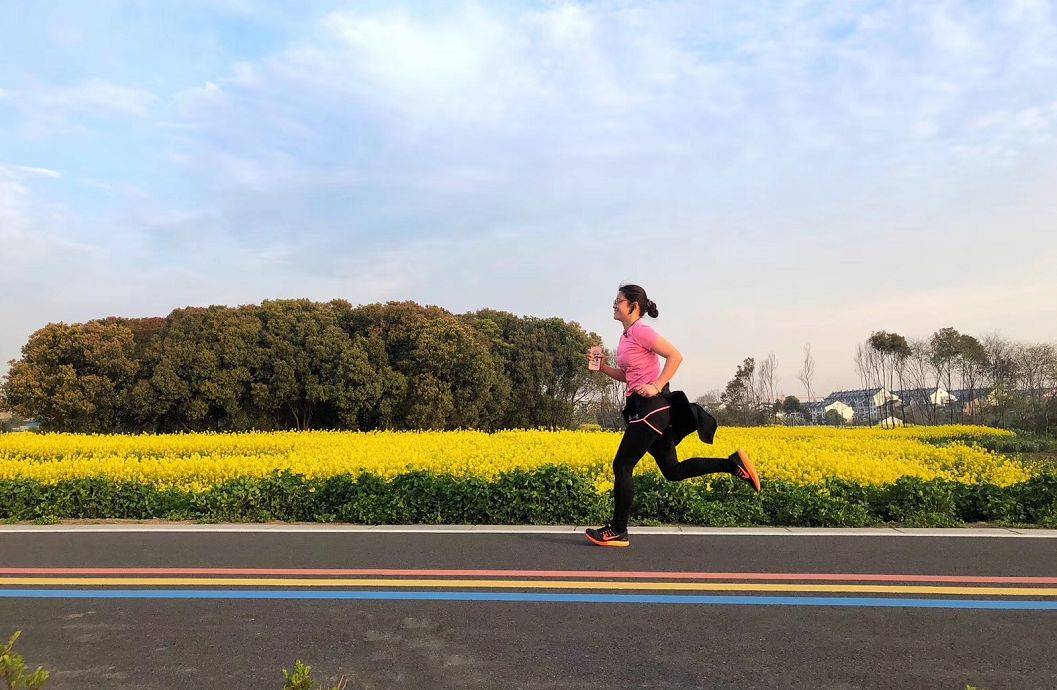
(636, 357)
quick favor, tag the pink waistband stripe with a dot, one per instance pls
(659, 409)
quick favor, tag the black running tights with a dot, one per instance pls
(637, 440)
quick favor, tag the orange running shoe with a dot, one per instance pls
(745, 470)
(607, 536)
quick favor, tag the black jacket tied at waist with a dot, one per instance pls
(688, 417)
(685, 416)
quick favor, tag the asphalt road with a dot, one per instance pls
(535, 610)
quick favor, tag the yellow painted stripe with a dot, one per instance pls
(524, 584)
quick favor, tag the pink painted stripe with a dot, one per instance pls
(618, 574)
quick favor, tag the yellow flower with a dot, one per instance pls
(798, 454)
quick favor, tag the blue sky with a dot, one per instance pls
(772, 173)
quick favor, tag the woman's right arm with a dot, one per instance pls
(614, 373)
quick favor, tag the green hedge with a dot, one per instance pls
(1022, 442)
(548, 495)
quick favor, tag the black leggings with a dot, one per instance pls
(640, 438)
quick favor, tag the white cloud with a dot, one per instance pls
(103, 96)
(190, 101)
(530, 159)
(29, 226)
(47, 110)
(678, 86)
(14, 170)
(123, 189)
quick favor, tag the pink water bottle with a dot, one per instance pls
(595, 363)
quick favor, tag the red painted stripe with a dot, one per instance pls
(609, 574)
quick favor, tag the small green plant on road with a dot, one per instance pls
(301, 678)
(13, 668)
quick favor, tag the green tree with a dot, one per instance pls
(972, 364)
(738, 394)
(453, 375)
(302, 364)
(833, 418)
(945, 346)
(74, 377)
(311, 372)
(543, 363)
(197, 375)
(892, 352)
(446, 367)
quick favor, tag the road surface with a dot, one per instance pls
(229, 607)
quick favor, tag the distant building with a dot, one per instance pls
(923, 405)
(926, 396)
(867, 404)
(971, 401)
(816, 411)
(929, 405)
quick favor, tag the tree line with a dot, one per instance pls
(298, 364)
(997, 382)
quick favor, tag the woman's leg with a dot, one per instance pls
(637, 439)
(663, 451)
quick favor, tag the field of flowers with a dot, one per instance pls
(801, 455)
(927, 476)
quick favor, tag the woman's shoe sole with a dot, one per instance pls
(614, 542)
(754, 478)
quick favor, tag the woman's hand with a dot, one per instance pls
(647, 390)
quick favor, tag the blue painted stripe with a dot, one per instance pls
(881, 602)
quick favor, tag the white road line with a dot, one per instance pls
(283, 528)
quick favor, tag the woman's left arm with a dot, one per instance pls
(672, 360)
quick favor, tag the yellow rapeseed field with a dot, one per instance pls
(798, 454)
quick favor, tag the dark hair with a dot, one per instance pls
(634, 294)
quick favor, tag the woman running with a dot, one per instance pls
(646, 414)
